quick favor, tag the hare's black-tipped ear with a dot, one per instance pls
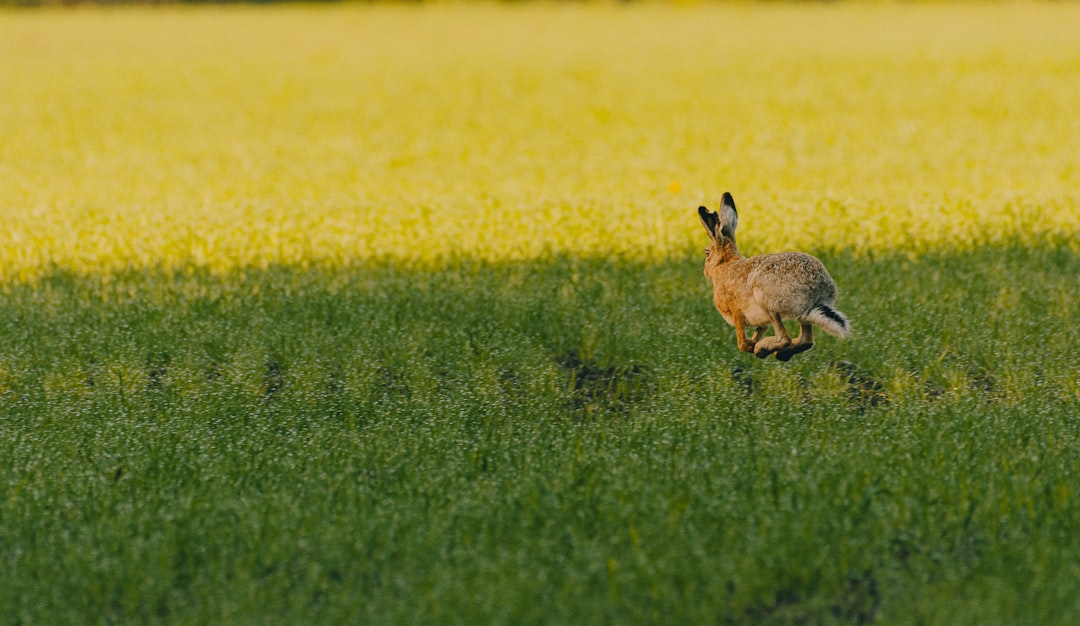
(729, 217)
(710, 221)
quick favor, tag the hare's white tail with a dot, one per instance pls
(830, 320)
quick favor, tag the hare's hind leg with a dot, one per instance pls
(802, 343)
(779, 341)
(805, 340)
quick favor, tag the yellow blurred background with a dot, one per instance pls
(241, 136)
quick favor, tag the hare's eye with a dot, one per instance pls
(707, 251)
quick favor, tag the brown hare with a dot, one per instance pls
(766, 289)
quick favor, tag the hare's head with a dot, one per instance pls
(721, 229)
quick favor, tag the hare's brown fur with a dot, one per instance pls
(766, 289)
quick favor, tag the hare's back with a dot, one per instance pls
(795, 278)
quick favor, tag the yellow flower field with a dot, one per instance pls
(337, 135)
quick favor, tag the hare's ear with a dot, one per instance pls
(711, 222)
(729, 217)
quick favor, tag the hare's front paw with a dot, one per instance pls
(769, 345)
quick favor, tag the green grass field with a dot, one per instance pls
(395, 315)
